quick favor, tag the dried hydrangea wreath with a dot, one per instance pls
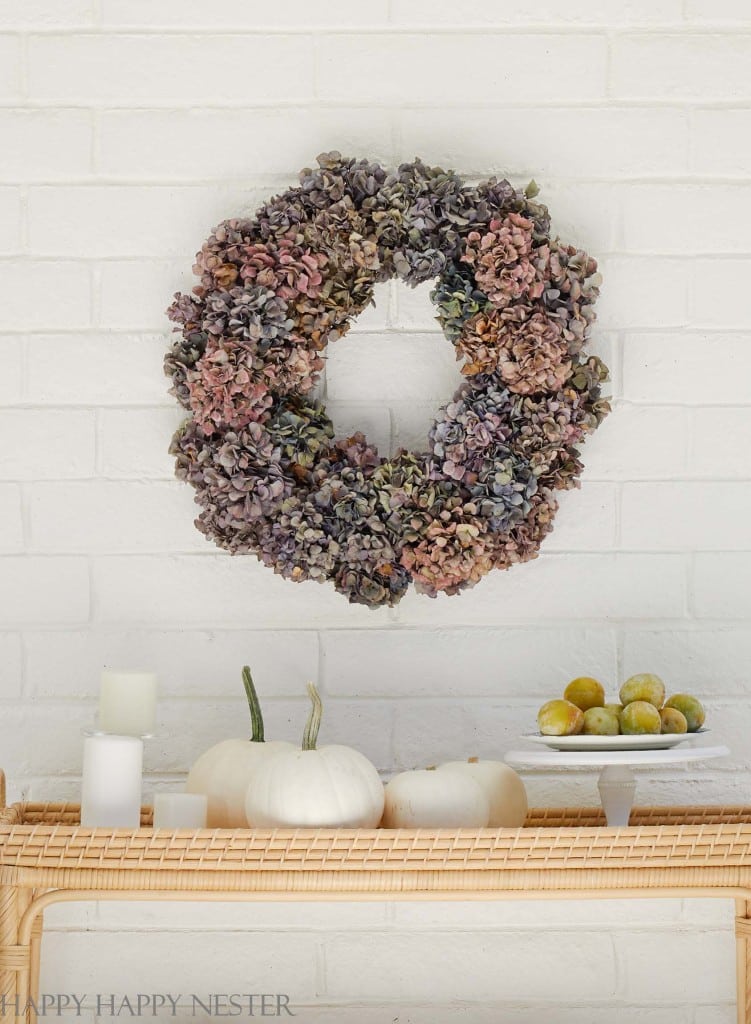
(276, 289)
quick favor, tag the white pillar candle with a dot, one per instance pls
(180, 810)
(127, 703)
(111, 786)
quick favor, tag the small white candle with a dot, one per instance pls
(111, 785)
(127, 703)
(180, 810)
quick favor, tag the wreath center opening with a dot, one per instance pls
(391, 372)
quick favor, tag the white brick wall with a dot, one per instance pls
(128, 129)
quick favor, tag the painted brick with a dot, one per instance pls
(372, 419)
(456, 731)
(719, 443)
(98, 962)
(218, 591)
(53, 590)
(103, 516)
(235, 143)
(584, 215)
(44, 145)
(414, 309)
(379, 314)
(11, 659)
(412, 421)
(135, 295)
(637, 443)
(11, 519)
(721, 142)
(371, 722)
(414, 367)
(57, 750)
(45, 14)
(133, 443)
(216, 916)
(720, 585)
(120, 369)
(490, 1013)
(494, 65)
(432, 13)
(692, 516)
(716, 11)
(10, 67)
(15, 748)
(184, 14)
(494, 662)
(555, 587)
(690, 368)
(47, 444)
(707, 966)
(189, 664)
(11, 379)
(546, 914)
(10, 220)
(668, 67)
(27, 281)
(161, 69)
(154, 221)
(612, 142)
(644, 292)
(356, 971)
(711, 278)
(586, 519)
(718, 1014)
(691, 218)
(706, 661)
(211, 720)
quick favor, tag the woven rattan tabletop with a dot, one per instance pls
(47, 845)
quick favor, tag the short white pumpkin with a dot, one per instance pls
(224, 771)
(327, 787)
(502, 786)
(427, 798)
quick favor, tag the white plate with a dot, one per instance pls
(650, 741)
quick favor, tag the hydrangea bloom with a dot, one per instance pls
(273, 290)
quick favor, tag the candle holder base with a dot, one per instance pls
(101, 732)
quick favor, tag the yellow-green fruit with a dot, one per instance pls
(601, 722)
(690, 707)
(615, 708)
(560, 718)
(643, 686)
(673, 720)
(585, 692)
(640, 717)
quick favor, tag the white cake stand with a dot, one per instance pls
(617, 782)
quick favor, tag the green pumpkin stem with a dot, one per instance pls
(310, 736)
(256, 718)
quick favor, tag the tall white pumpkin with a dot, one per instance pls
(502, 786)
(224, 771)
(325, 787)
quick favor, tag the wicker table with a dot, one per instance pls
(46, 857)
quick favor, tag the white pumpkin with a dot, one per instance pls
(427, 798)
(502, 786)
(327, 787)
(224, 771)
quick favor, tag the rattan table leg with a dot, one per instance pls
(35, 952)
(15, 958)
(23, 981)
(743, 952)
(9, 920)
